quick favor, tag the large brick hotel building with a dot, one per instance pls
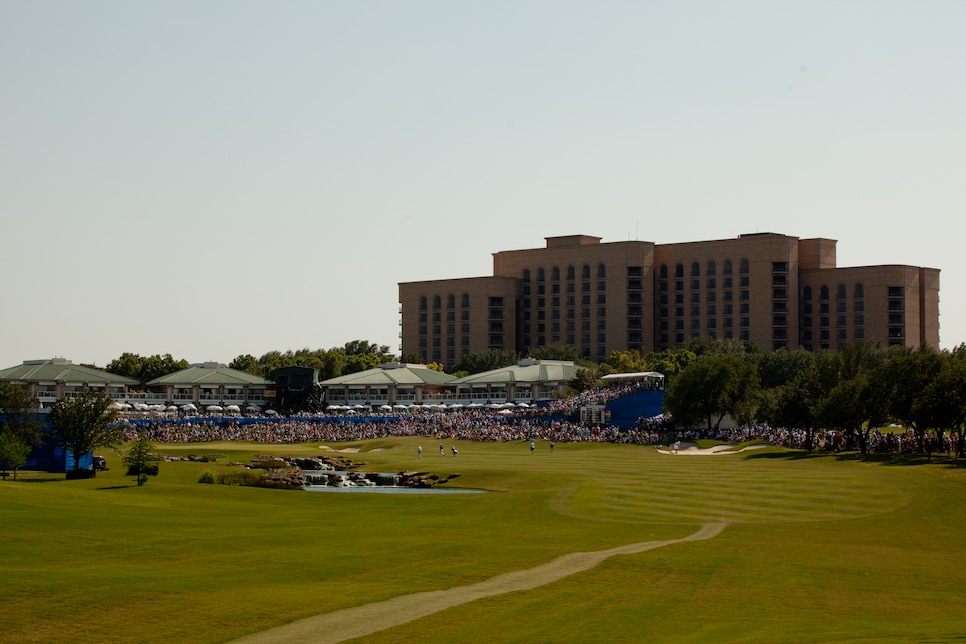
(773, 290)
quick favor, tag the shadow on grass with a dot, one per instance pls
(858, 457)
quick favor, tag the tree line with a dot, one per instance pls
(854, 390)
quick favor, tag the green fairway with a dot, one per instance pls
(817, 547)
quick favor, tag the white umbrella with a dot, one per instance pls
(213, 407)
(171, 408)
(385, 407)
(271, 412)
(253, 408)
(188, 407)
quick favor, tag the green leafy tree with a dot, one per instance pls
(670, 362)
(712, 388)
(487, 361)
(147, 368)
(14, 451)
(247, 363)
(85, 422)
(139, 460)
(555, 351)
(18, 413)
(626, 362)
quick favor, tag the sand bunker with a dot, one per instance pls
(692, 449)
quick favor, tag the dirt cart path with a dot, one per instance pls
(345, 624)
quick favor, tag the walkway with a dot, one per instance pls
(348, 623)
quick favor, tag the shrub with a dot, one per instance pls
(207, 477)
(239, 477)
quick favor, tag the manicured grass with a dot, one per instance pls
(818, 547)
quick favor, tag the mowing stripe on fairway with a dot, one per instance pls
(342, 625)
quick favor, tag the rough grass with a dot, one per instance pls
(818, 548)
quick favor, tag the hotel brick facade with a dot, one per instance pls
(768, 289)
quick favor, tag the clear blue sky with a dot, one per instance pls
(209, 179)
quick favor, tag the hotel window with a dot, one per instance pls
(695, 270)
(859, 291)
(422, 318)
(695, 311)
(679, 270)
(601, 271)
(571, 273)
(451, 301)
(555, 274)
(601, 286)
(840, 292)
(727, 267)
(422, 304)
(712, 269)
(695, 285)
(437, 302)
(744, 268)
(541, 276)
(465, 302)
(858, 307)
(571, 287)
(585, 272)
(807, 294)
(601, 298)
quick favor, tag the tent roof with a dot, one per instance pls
(526, 371)
(61, 370)
(209, 373)
(390, 374)
(633, 376)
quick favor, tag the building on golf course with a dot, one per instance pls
(773, 290)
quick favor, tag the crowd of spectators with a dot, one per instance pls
(555, 422)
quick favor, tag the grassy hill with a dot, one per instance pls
(817, 548)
